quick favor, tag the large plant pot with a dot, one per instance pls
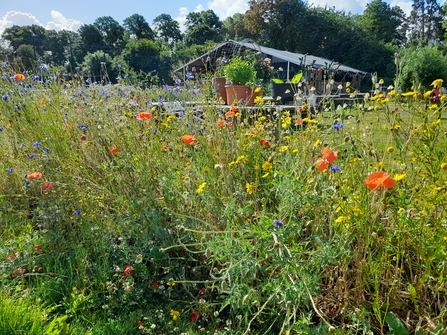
(279, 90)
(241, 93)
(219, 88)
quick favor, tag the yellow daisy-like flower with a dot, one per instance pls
(427, 94)
(390, 149)
(317, 142)
(171, 282)
(378, 165)
(267, 166)
(201, 188)
(170, 118)
(265, 175)
(249, 188)
(444, 166)
(408, 94)
(436, 122)
(283, 148)
(392, 93)
(341, 219)
(259, 100)
(238, 160)
(175, 315)
(399, 176)
(396, 127)
(437, 83)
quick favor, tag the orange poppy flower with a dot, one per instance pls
(379, 179)
(47, 186)
(221, 123)
(264, 143)
(328, 157)
(230, 114)
(144, 115)
(114, 150)
(34, 175)
(19, 76)
(298, 122)
(188, 139)
(234, 109)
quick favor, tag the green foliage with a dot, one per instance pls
(421, 66)
(240, 71)
(142, 55)
(396, 327)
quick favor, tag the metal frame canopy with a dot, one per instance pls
(208, 61)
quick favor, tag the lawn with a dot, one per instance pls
(119, 216)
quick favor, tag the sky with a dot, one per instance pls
(70, 15)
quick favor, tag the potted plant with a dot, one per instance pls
(285, 90)
(241, 76)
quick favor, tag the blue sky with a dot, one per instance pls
(70, 15)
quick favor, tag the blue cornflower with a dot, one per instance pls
(278, 223)
(189, 75)
(335, 168)
(44, 68)
(21, 145)
(47, 150)
(36, 78)
(10, 170)
(37, 144)
(5, 97)
(1, 129)
(77, 212)
(31, 156)
(103, 63)
(82, 127)
(338, 126)
(27, 184)
(224, 62)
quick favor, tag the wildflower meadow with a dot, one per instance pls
(157, 211)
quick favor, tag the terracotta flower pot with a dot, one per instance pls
(241, 93)
(218, 85)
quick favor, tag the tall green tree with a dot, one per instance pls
(233, 27)
(201, 27)
(383, 22)
(33, 35)
(91, 41)
(425, 23)
(167, 29)
(138, 28)
(55, 47)
(142, 55)
(112, 33)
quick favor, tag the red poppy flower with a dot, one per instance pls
(264, 143)
(328, 157)
(19, 76)
(47, 186)
(128, 270)
(188, 139)
(34, 175)
(379, 179)
(144, 115)
(37, 248)
(139, 323)
(194, 316)
(83, 138)
(114, 150)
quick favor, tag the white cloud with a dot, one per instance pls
(226, 8)
(26, 19)
(222, 8)
(349, 6)
(17, 18)
(406, 6)
(61, 23)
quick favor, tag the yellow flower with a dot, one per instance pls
(249, 188)
(262, 118)
(259, 100)
(201, 188)
(378, 166)
(175, 315)
(408, 94)
(396, 126)
(171, 282)
(265, 175)
(341, 219)
(427, 94)
(317, 142)
(286, 122)
(390, 149)
(392, 93)
(338, 209)
(384, 101)
(283, 148)
(238, 160)
(437, 83)
(170, 118)
(267, 166)
(357, 211)
(258, 89)
(436, 122)
(444, 166)
(399, 176)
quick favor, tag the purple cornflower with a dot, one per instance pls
(37, 144)
(10, 170)
(335, 168)
(77, 212)
(278, 223)
(5, 97)
(338, 126)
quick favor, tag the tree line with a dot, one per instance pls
(368, 41)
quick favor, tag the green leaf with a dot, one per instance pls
(277, 81)
(395, 325)
(297, 78)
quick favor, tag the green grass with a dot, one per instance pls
(141, 240)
